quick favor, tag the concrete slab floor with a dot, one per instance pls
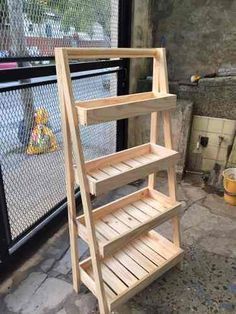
(42, 282)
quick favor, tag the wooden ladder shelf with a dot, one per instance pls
(126, 254)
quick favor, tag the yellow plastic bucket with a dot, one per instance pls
(230, 186)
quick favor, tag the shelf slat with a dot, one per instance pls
(121, 107)
(115, 170)
(134, 267)
(127, 218)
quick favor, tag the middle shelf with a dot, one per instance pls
(125, 219)
(112, 171)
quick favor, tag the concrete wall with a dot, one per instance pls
(200, 35)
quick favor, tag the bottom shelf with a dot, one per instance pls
(134, 267)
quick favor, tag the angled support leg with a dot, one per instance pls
(154, 128)
(64, 78)
(164, 87)
(69, 174)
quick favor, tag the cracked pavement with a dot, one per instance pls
(41, 282)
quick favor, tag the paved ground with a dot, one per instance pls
(207, 284)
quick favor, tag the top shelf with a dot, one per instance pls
(121, 107)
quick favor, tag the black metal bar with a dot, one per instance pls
(40, 223)
(5, 234)
(10, 75)
(25, 59)
(45, 81)
(124, 40)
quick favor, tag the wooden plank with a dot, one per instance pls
(121, 166)
(152, 212)
(82, 231)
(117, 157)
(154, 117)
(68, 103)
(106, 230)
(90, 281)
(120, 271)
(112, 280)
(69, 176)
(117, 204)
(115, 224)
(162, 198)
(132, 163)
(148, 252)
(164, 87)
(123, 107)
(132, 174)
(111, 171)
(126, 218)
(139, 258)
(143, 160)
(154, 204)
(98, 174)
(145, 281)
(130, 234)
(136, 213)
(130, 264)
(93, 53)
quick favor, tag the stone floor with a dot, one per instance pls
(41, 281)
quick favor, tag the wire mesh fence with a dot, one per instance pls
(34, 180)
(35, 27)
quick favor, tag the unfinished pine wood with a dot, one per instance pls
(67, 101)
(112, 171)
(102, 53)
(125, 219)
(164, 87)
(126, 255)
(121, 107)
(133, 267)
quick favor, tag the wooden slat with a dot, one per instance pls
(122, 107)
(111, 171)
(126, 218)
(148, 252)
(117, 204)
(117, 157)
(115, 224)
(130, 264)
(98, 174)
(145, 281)
(154, 204)
(121, 166)
(93, 53)
(139, 258)
(137, 171)
(112, 280)
(132, 163)
(146, 208)
(129, 235)
(105, 230)
(109, 293)
(120, 271)
(136, 213)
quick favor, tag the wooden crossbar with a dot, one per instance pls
(93, 53)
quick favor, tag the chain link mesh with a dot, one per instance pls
(35, 27)
(34, 184)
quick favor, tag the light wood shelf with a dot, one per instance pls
(114, 170)
(121, 107)
(125, 219)
(126, 254)
(133, 267)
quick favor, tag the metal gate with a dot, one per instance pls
(32, 186)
